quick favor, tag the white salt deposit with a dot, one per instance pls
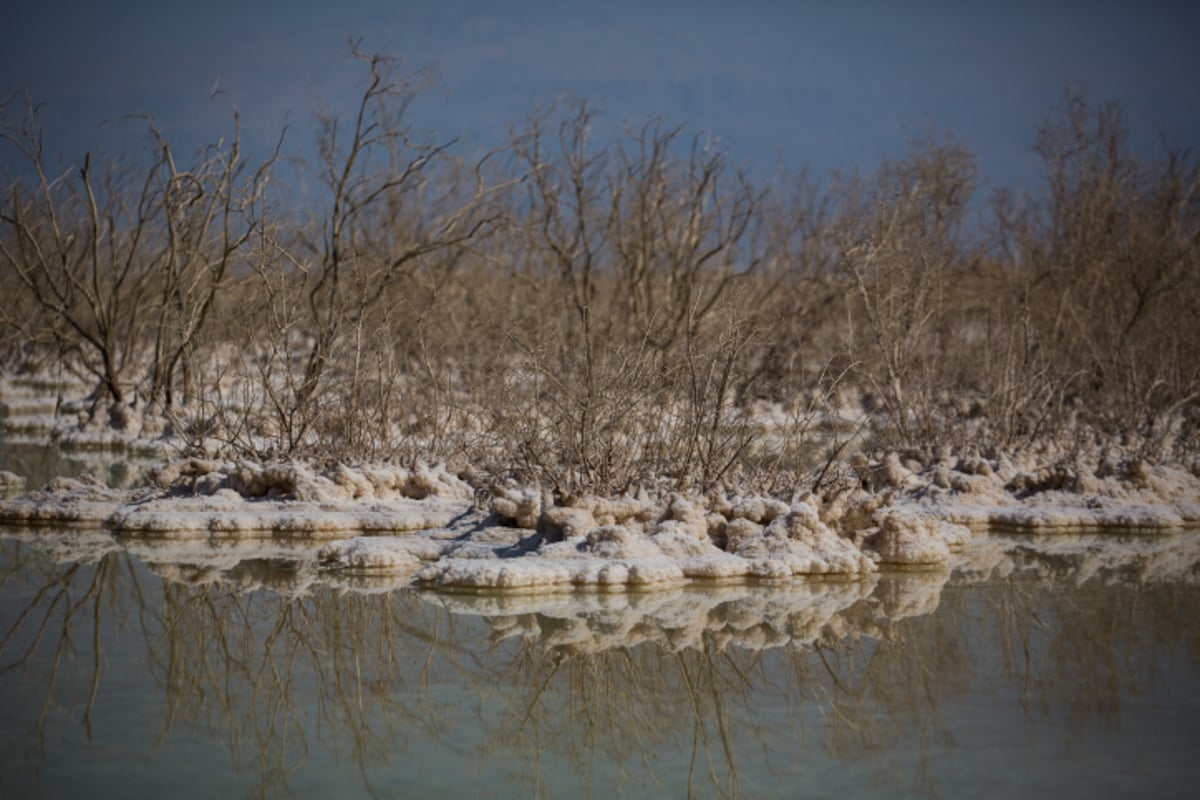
(913, 509)
(909, 538)
(10, 481)
(1125, 518)
(369, 554)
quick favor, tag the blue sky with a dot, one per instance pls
(823, 84)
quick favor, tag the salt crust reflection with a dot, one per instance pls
(745, 614)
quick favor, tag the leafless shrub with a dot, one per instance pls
(122, 262)
(632, 346)
(1107, 255)
(902, 249)
(391, 212)
(610, 316)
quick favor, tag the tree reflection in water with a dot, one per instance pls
(716, 690)
(58, 619)
(261, 670)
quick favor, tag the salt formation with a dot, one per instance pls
(904, 512)
(300, 482)
(910, 509)
(283, 500)
(10, 482)
(75, 425)
(642, 543)
(907, 538)
(66, 501)
(25, 408)
(369, 554)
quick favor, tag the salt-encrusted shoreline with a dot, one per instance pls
(431, 527)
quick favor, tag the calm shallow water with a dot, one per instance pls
(1053, 666)
(126, 676)
(39, 463)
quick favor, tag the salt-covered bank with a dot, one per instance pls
(430, 527)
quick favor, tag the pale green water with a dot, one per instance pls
(117, 682)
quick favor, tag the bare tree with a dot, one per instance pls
(392, 202)
(681, 230)
(80, 243)
(901, 246)
(123, 262)
(1108, 253)
(209, 212)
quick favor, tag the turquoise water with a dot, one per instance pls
(126, 678)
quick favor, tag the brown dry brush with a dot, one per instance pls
(904, 252)
(632, 258)
(116, 265)
(1106, 260)
(609, 316)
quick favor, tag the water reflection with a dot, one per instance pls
(260, 670)
(39, 463)
(66, 599)
(752, 617)
(285, 675)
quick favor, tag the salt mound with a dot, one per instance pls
(65, 501)
(227, 513)
(911, 539)
(797, 544)
(299, 481)
(619, 542)
(369, 554)
(519, 506)
(1128, 518)
(906, 508)
(10, 480)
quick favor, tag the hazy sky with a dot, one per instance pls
(830, 85)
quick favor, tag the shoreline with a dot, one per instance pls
(428, 525)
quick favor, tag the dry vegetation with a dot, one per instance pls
(608, 316)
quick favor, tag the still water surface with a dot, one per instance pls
(120, 678)
(130, 670)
